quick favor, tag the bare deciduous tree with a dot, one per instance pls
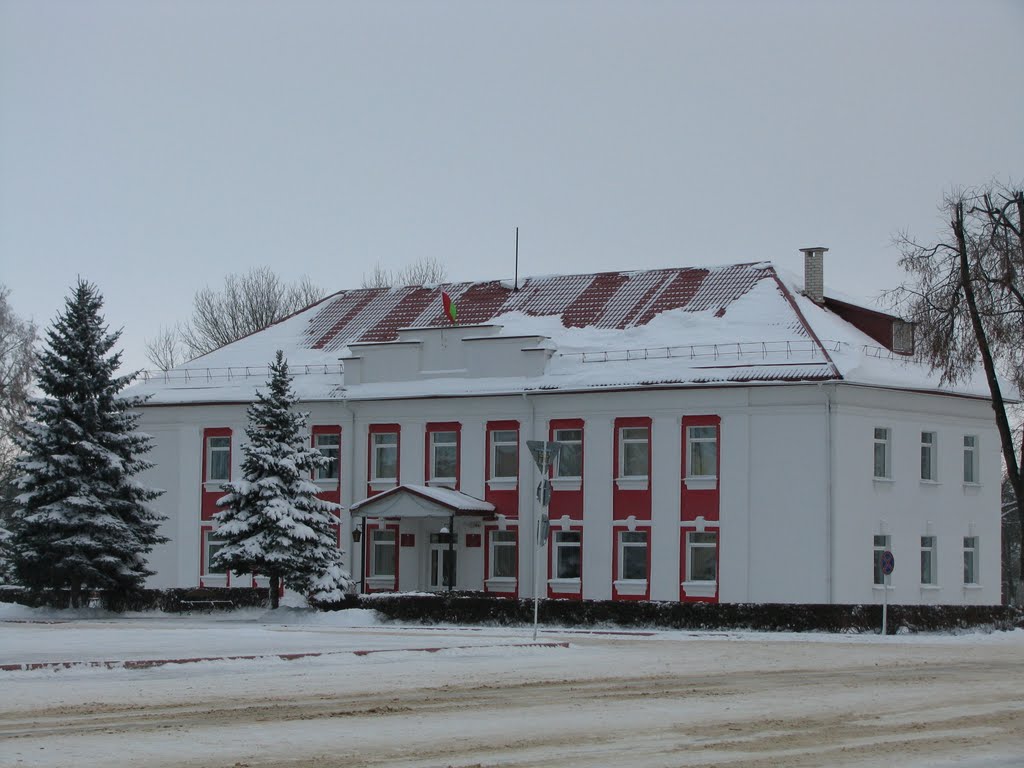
(246, 304)
(17, 357)
(423, 271)
(966, 296)
(164, 350)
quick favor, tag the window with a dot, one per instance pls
(702, 556)
(444, 452)
(570, 458)
(881, 545)
(970, 458)
(970, 559)
(218, 459)
(504, 454)
(567, 554)
(883, 445)
(633, 555)
(329, 446)
(929, 456)
(929, 573)
(385, 456)
(702, 451)
(213, 546)
(634, 451)
(503, 554)
(382, 555)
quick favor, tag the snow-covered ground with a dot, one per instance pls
(490, 697)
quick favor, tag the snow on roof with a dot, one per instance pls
(732, 324)
(450, 499)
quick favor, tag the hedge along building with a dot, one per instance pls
(728, 435)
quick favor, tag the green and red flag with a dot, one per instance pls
(450, 308)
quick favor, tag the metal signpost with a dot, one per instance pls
(544, 454)
(888, 563)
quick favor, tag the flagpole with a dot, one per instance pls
(515, 284)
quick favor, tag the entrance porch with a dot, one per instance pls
(419, 538)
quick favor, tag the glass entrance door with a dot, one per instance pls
(442, 562)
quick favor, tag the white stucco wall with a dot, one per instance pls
(779, 542)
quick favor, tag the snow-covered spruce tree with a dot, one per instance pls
(273, 523)
(82, 520)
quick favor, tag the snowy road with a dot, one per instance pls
(666, 699)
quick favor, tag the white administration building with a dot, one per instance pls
(728, 435)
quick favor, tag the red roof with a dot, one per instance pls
(602, 300)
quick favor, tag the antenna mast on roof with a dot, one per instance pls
(515, 283)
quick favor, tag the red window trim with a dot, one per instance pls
(625, 422)
(209, 432)
(327, 429)
(568, 424)
(379, 429)
(204, 533)
(443, 426)
(488, 530)
(684, 564)
(551, 560)
(618, 529)
(709, 420)
(500, 426)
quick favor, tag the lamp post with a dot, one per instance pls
(357, 536)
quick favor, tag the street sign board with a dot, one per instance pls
(543, 452)
(888, 562)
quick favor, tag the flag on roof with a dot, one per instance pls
(449, 308)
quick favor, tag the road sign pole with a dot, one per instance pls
(885, 602)
(539, 557)
(888, 564)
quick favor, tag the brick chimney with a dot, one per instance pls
(814, 273)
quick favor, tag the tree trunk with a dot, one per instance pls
(275, 588)
(998, 404)
(76, 593)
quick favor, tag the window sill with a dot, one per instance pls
(326, 484)
(880, 587)
(972, 487)
(501, 584)
(632, 483)
(214, 487)
(701, 483)
(503, 483)
(973, 586)
(631, 586)
(442, 482)
(380, 583)
(930, 588)
(932, 483)
(566, 483)
(566, 586)
(383, 484)
(700, 588)
(883, 480)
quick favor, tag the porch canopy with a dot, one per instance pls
(421, 501)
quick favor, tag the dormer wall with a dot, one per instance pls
(475, 351)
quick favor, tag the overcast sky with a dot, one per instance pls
(154, 147)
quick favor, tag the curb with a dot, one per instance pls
(149, 663)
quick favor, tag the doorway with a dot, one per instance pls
(441, 569)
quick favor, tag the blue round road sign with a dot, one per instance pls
(888, 562)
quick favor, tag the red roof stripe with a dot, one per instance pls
(604, 300)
